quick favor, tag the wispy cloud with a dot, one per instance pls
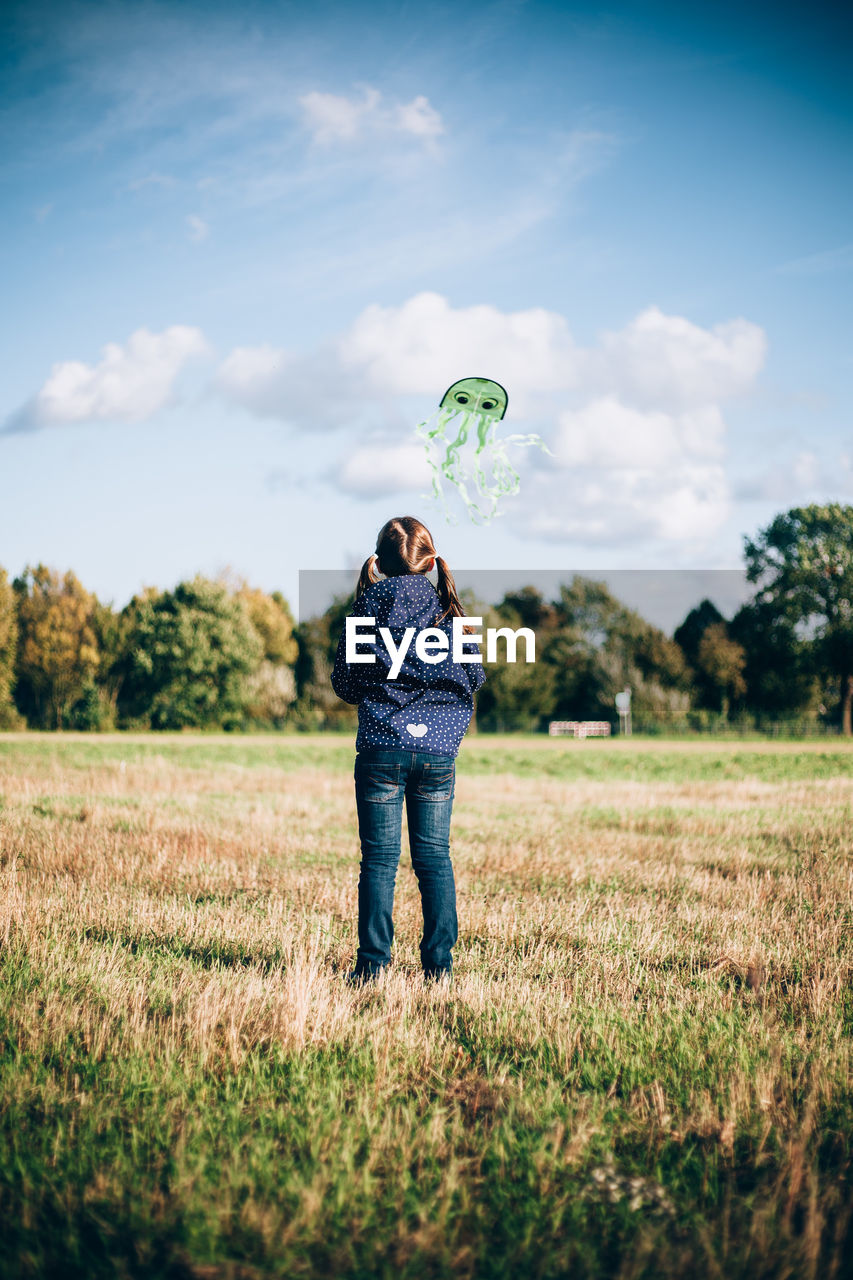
(796, 478)
(151, 180)
(418, 118)
(368, 185)
(582, 152)
(197, 228)
(332, 117)
(814, 264)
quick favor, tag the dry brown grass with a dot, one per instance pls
(658, 967)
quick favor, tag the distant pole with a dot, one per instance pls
(623, 706)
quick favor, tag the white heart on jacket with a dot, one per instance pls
(417, 730)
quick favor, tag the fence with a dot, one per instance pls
(579, 729)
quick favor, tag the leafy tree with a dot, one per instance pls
(721, 662)
(272, 619)
(91, 711)
(802, 566)
(317, 705)
(689, 635)
(189, 655)
(9, 716)
(517, 695)
(589, 610)
(270, 692)
(529, 608)
(601, 647)
(97, 707)
(271, 689)
(57, 645)
(716, 660)
(778, 671)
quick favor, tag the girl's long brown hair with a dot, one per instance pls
(404, 545)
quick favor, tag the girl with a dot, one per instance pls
(409, 730)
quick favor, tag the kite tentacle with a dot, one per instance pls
(488, 464)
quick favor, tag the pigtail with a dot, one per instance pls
(447, 594)
(369, 574)
(404, 546)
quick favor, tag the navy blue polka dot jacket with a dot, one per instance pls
(428, 706)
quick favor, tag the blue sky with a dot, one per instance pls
(247, 248)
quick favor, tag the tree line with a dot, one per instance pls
(223, 654)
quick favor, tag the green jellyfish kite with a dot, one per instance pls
(464, 451)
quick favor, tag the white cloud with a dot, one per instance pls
(128, 384)
(415, 349)
(308, 391)
(384, 467)
(420, 347)
(332, 117)
(419, 118)
(661, 360)
(683, 502)
(248, 372)
(635, 421)
(658, 361)
(197, 228)
(606, 433)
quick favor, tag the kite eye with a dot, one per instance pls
(461, 397)
(490, 404)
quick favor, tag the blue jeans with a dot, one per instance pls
(383, 777)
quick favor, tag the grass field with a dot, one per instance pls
(643, 1067)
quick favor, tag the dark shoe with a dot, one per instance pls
(362, 977)
(438, 977)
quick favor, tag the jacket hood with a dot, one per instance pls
(409, 600)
